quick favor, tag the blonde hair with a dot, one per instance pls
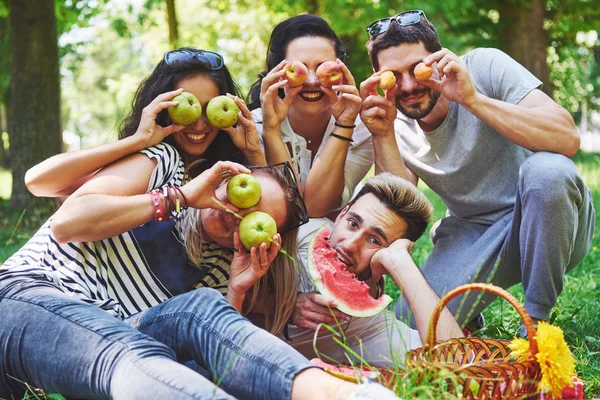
(276, 292)
(401, 197)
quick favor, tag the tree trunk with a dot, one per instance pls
(173, 25)
(34, 113)
(523, 37)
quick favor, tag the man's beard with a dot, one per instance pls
(421, 109)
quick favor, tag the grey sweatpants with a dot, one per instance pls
(547, 234)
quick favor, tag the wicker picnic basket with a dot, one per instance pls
(479, 368)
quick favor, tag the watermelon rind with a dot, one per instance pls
(382, 303)
(347, 373)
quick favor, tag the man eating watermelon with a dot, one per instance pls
(344, 261)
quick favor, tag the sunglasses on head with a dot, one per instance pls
(208, 59)
(403, 19)
(300, 212)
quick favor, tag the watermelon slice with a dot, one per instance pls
(346, 373)
(333, 280)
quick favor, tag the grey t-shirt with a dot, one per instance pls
(469, 165)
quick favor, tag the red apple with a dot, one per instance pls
(296, 73)
(330, 74)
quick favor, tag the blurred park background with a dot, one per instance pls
(68, 70)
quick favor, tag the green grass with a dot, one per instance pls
(578, 305)
(17, 226)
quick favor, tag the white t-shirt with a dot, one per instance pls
(373, 337)
(360, 154)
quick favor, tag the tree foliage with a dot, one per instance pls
(107, 46)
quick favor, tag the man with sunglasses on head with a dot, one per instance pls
(373, 235)
(495, 148)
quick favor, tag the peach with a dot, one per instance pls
(330, 74)
(296, 73)
(387, 80)
(423, 72)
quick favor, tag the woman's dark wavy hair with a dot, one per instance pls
(292, 28)
(164, 79)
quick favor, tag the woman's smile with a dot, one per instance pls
(312, 95)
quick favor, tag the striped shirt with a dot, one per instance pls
(130, 272)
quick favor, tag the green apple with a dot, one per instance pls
(222, 112)
(256, 228)
(187, 111)
(244, 190)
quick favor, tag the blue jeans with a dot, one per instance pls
(52, 341)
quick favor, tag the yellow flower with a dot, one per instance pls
(554, 356)
(520, 349)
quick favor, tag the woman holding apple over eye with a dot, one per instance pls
(199, 72)
(320, 131)
(313, 125)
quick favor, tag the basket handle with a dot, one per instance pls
(431, 335)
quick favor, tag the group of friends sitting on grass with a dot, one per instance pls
(139, 285)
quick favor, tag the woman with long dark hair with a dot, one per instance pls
(200, 72)
(315, 127)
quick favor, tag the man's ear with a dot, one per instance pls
(342, 213)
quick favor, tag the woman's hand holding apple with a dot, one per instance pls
(245, 135)
(274, 108)
(346, 103)
(248, 267)
(200, 191)
(148, 132)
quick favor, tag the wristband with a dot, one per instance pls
(345, 126)
(159, 212)
(347, 139)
